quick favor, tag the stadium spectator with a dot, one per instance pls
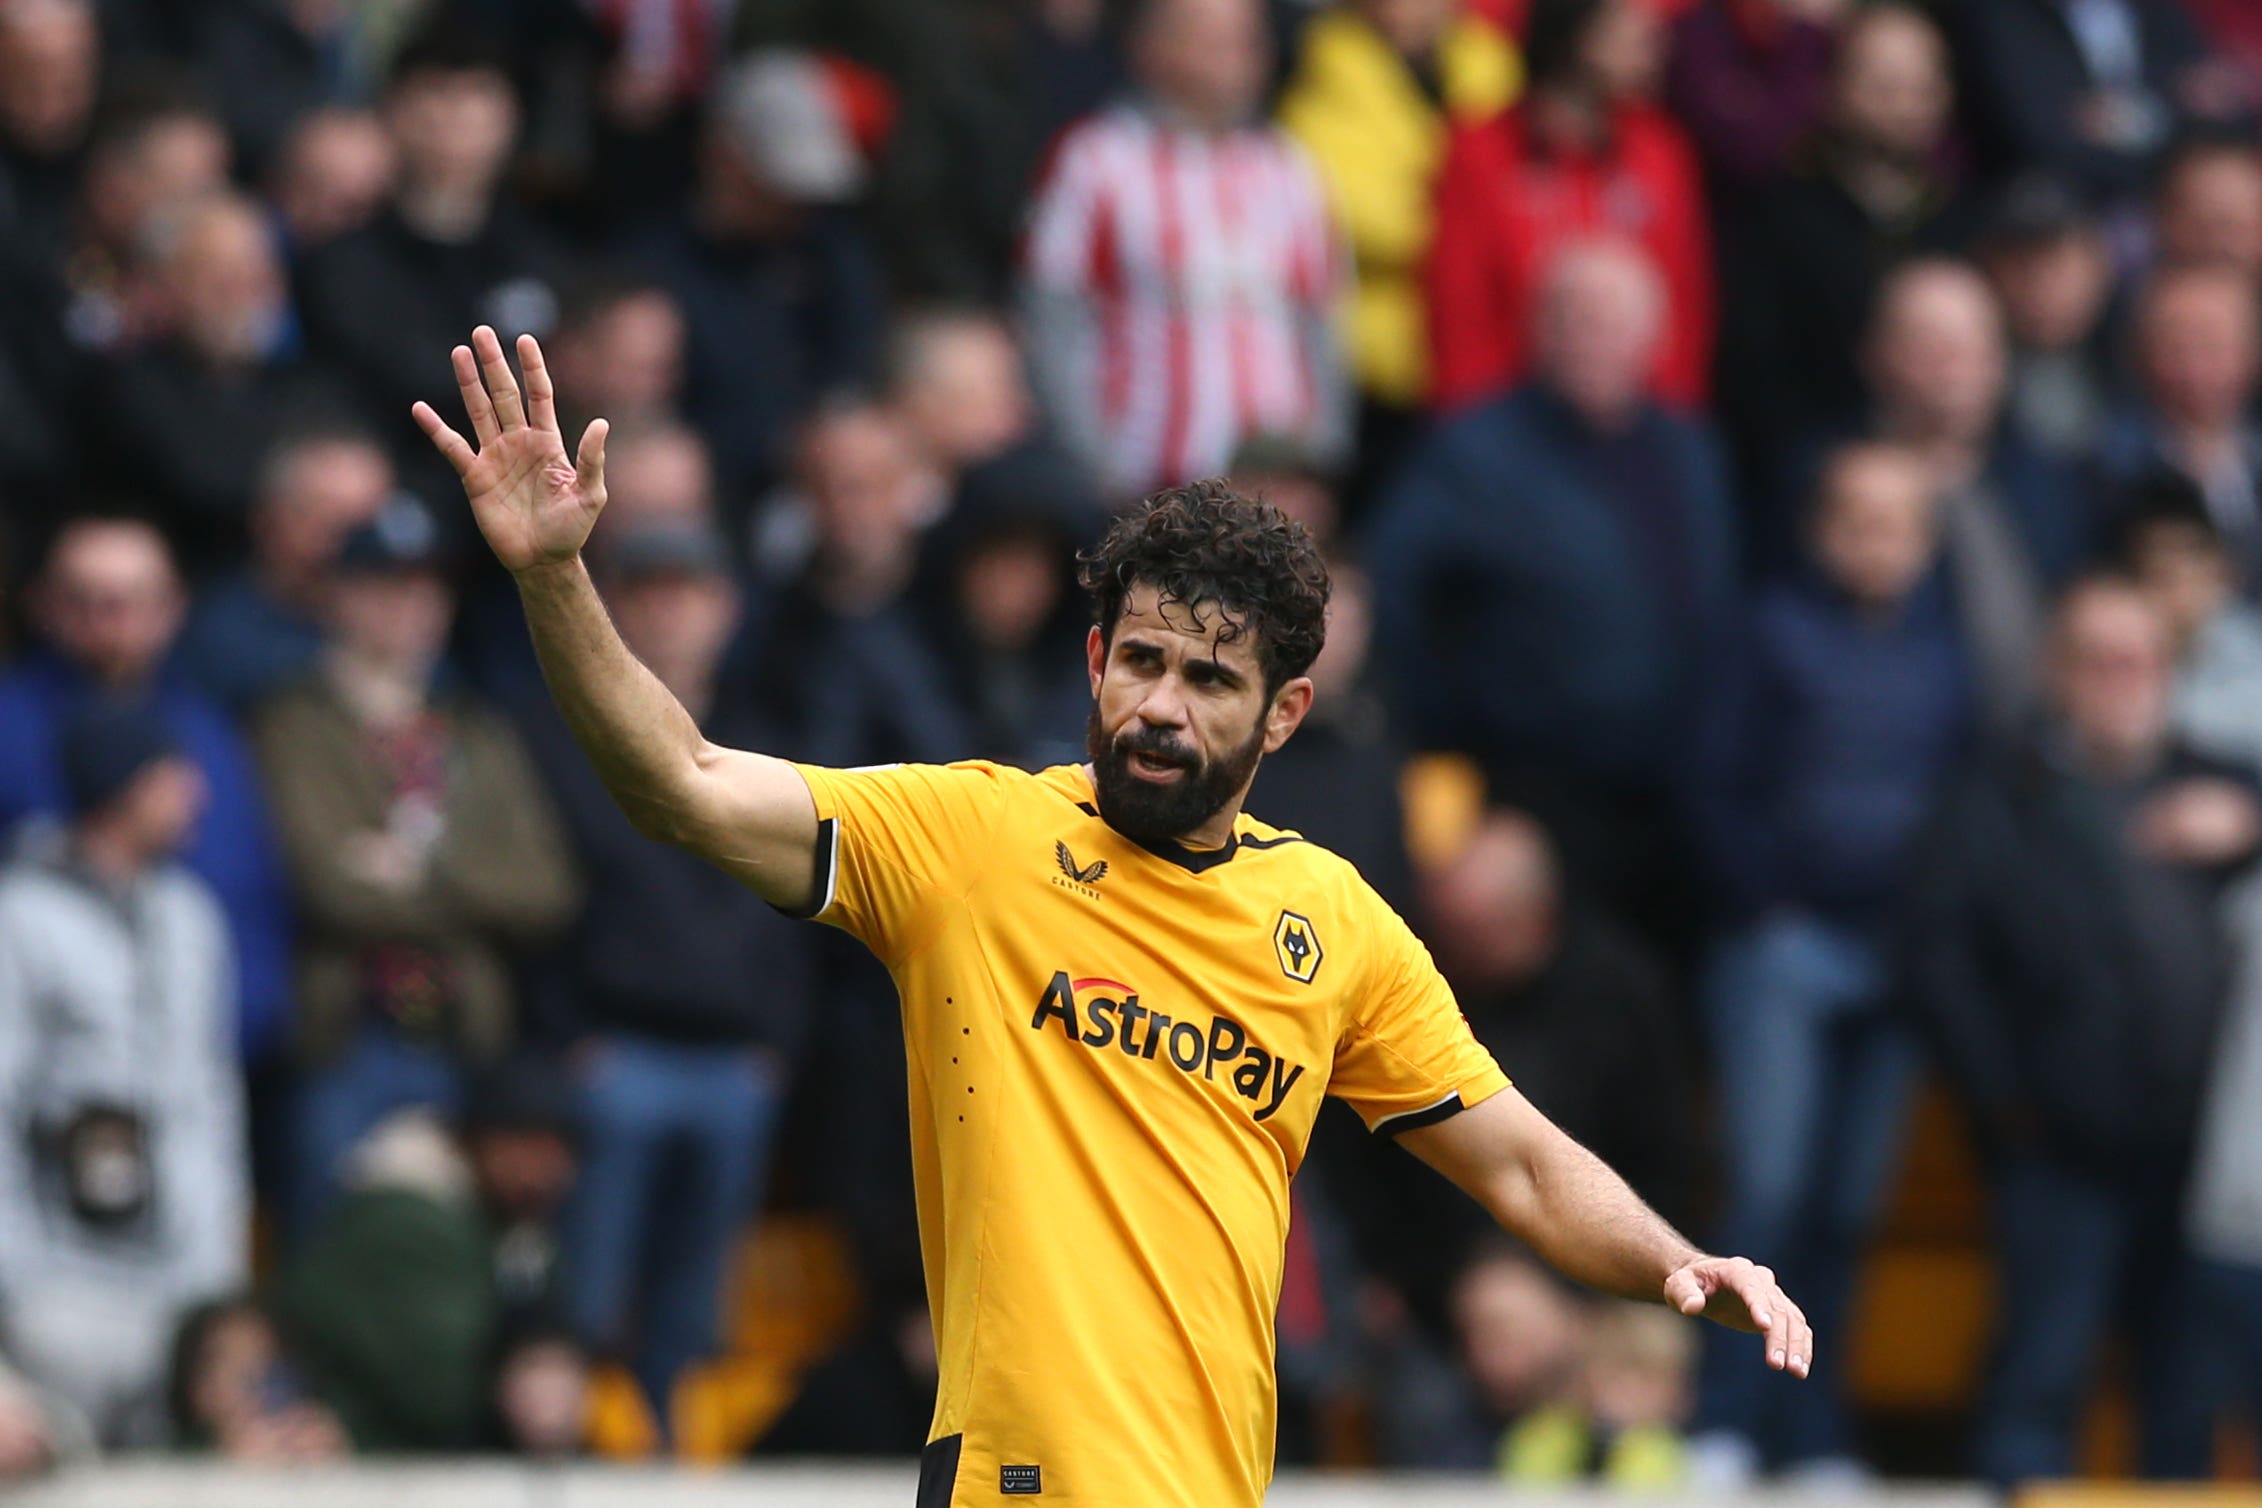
(50, 78)
(394, 1301)
(107, 607)
(658, 473)
(1516, 1338)
(620, 353)
(780, 292)
(956, 379)
(2013, 523)
(1803, 258)
(189, 417)
(157, 149)
(1845, 701)
(2173, 547)
(1280, 470)
(685, 999)
(1621, 1423)
(1750, 79)
(1581, 1007)
(124, 1183)
(1161, 337)
(543, 1385)
(233, 1391)
(1584, 155)
(1551, 570)
(2198, 358)
(2207, 211)
(1377, 87)
(273, 65)
(423, 854)
(450, 249)
(2069, 960)
(2052, 268)
(1005, 612)
(2093, 90)
(332, 174)
(846, 664)
(255, 631)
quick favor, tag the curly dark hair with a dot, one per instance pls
(1204, 543)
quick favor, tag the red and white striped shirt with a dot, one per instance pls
(1182, 291)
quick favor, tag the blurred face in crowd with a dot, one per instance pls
(1205, 58)
(1876, 524)
(1600, 313)
(1935, 357)
(524, 1173)
(335, 171)
(397, 619)
(542, 1393)
(159, 171)
(658, 475)
(2210, 211)
(962, 389)
(1304, 497)
(1636, 1373)
(50, 67)
(2053, 291)
(1623, 51)
(233, 1358)
(623, 360)
(1892, 92)
(2109, 672)
(1413, 28)
(314, 495)
(862, 479)
(225, 284)
(677, 622)
(1495, 910)
(110, 600)
(1181, 715)
(157, 812)
(1518, 1332)
(2196, 348)
(1010, 585)
(2186, 572)
(453, 129)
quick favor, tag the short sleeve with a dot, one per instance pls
(1407, 1058)
(897, 845)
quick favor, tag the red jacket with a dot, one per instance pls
(1504, 209)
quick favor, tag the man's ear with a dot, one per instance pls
(1286, 714)
(1095, 655)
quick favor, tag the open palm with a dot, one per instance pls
(534, 506)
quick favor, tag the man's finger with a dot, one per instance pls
(1801, 1347)
(450, 444)
(501, 385)
(541, 397)
(475, 401)
(589, 461)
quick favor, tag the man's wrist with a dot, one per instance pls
(549, 575)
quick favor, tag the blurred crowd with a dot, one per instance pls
(1793, 475)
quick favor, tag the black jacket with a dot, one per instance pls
(2070, 986)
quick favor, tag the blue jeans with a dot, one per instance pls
(339, 1103)
(2077, 1252)
(675, 1149)
(1815, 1081)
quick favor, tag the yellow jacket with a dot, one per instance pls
(1378, 140)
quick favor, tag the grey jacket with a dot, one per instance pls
(119, 998)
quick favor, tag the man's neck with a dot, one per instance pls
(104, 851)
(378, 692)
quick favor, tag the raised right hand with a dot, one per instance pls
(533, 505)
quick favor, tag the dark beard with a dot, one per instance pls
(1149, 813)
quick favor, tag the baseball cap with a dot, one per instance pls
(401, 536)
(673, 547)
(784, 114)
(106, 744)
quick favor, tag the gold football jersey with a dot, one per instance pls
(1116, 1053)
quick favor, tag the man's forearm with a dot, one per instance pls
(1568, 1206)
(644, 745)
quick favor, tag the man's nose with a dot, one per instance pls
(1164, 706)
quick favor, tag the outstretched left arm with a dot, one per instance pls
(1563, 1202)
